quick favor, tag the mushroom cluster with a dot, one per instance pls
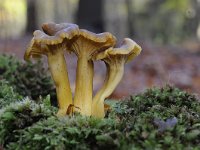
(56, 39)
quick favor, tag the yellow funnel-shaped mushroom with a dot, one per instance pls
(114, 58)
(52, 43)
(85, 46)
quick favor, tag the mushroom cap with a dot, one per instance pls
(52, 28)
(129, 49)
(105, 37)
(91, 42)
(57, 34)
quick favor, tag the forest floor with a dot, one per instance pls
(156, 66)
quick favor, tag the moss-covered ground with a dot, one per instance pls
(158, 118)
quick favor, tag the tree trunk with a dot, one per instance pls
(115, 17)
(31, 16)
(90, 16)
(130, 17)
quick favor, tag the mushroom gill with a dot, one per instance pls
(114, 58)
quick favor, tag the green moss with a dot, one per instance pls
(146, 119)
(21, 114)
(8, 65)
(7, 94)
(28, 79)
(70, 133)
(159, 118)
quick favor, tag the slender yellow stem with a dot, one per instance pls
(96, 98)
(84, 86)
(58, 68)
(114, 75)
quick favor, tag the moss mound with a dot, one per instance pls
(160, 118)
(19, 115)
(7, 94)
(28, 79)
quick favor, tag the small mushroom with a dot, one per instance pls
(53, 46)
(54, 29)
(85, 47)
(114, 58)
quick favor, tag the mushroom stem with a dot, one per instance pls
(113, 77)
(84, 86)
(58, 68)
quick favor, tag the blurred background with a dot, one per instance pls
(167, 30)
